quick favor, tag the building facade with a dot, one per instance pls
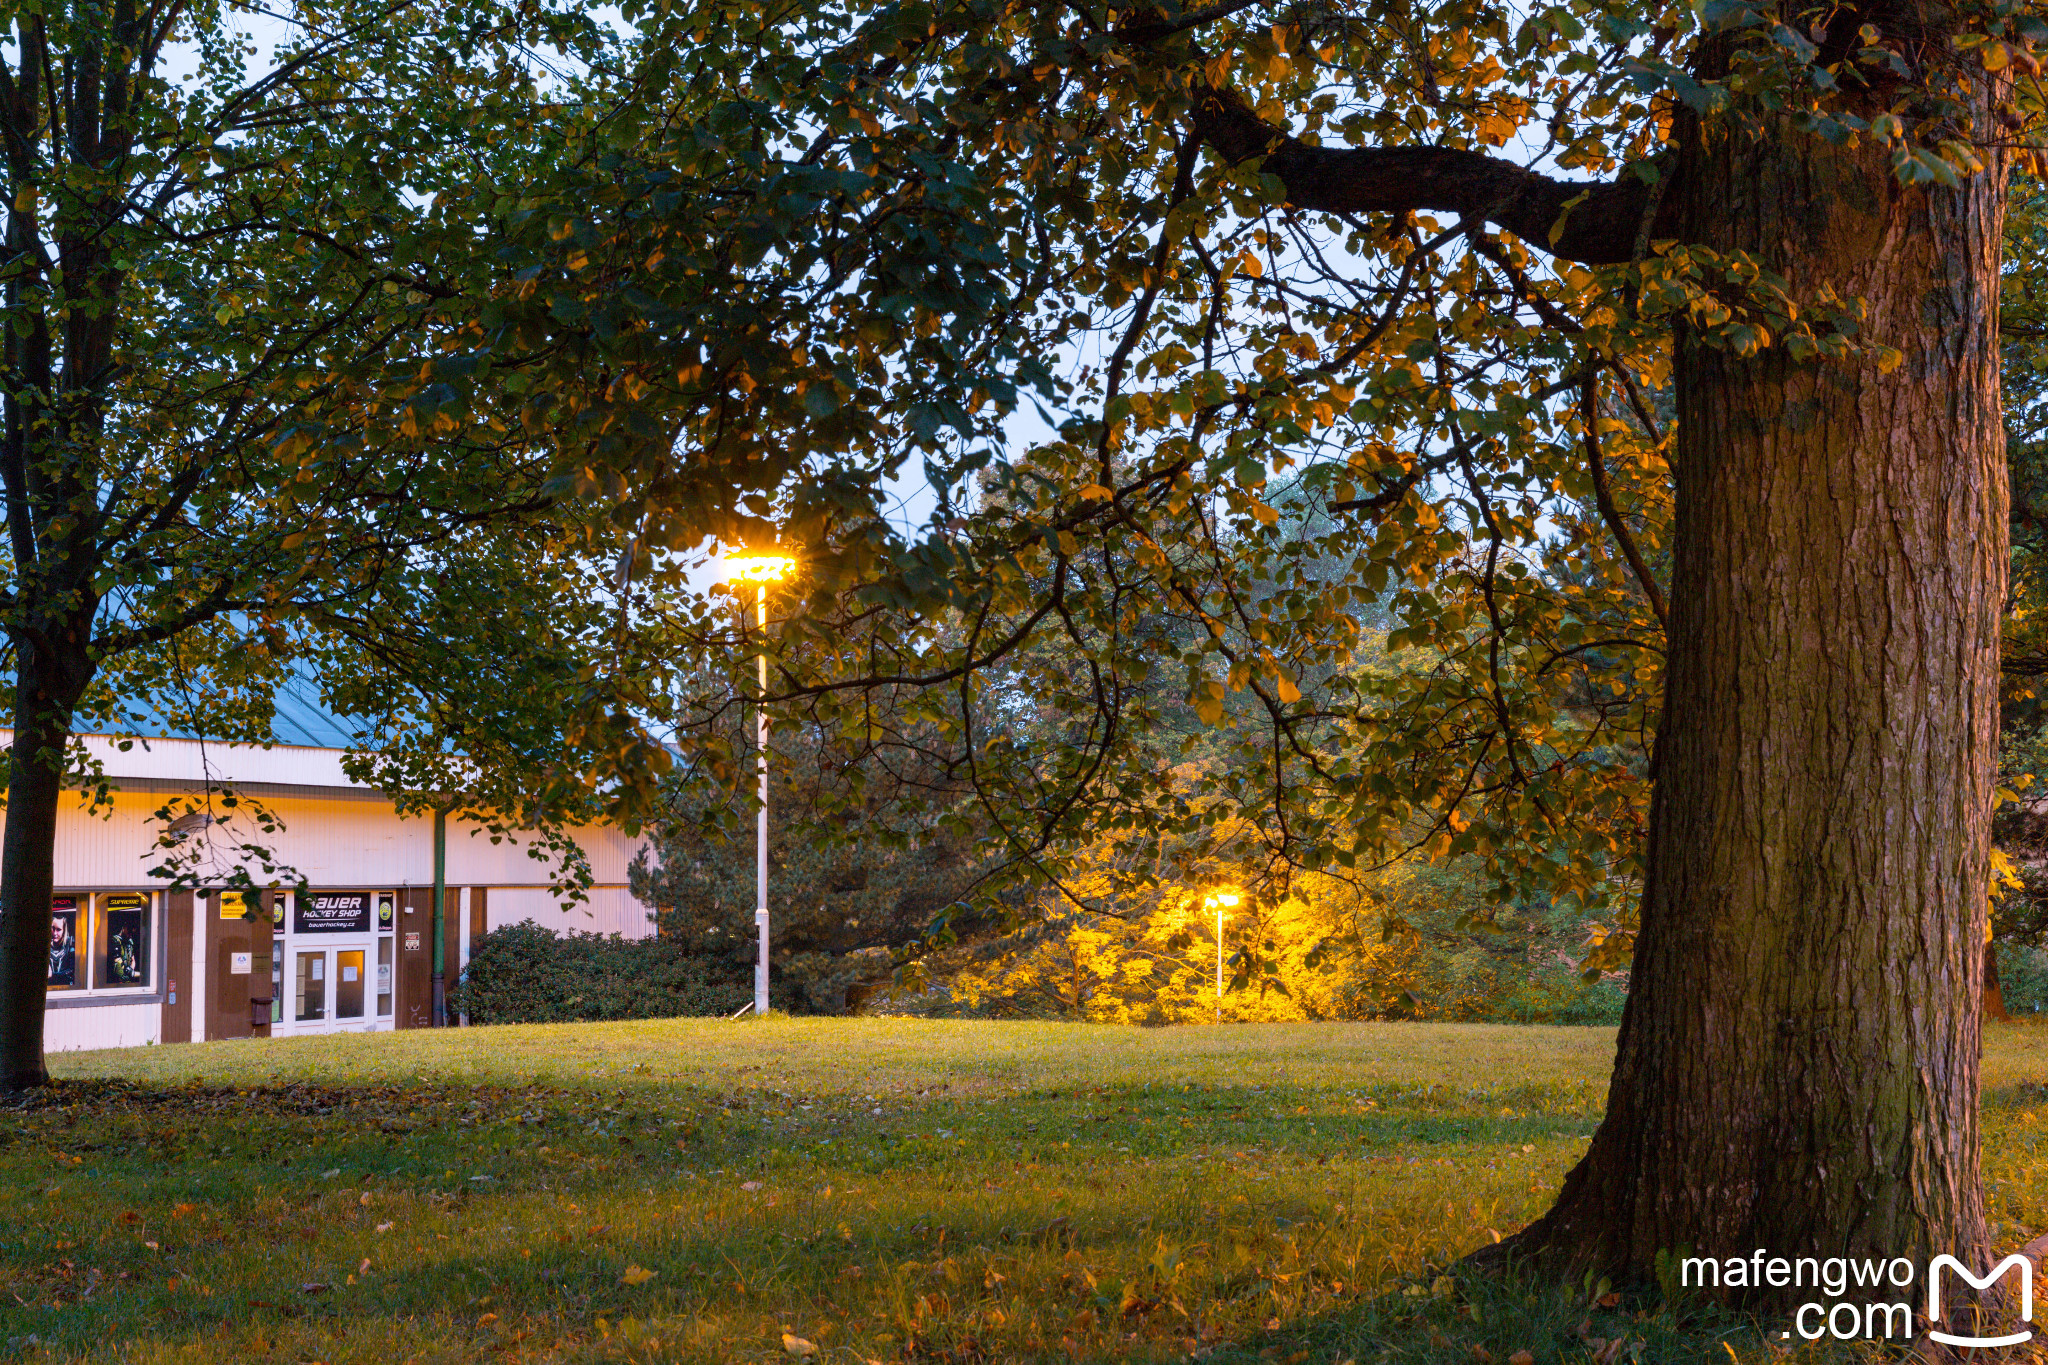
(135, 962)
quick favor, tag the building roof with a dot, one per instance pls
(299, 717)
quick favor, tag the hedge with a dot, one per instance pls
(525, 974)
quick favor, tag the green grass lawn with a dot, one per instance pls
(847, 1190)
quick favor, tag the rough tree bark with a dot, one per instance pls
(49, 681)
(1797, 1066)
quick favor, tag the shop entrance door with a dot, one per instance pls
(330, 988)
(333, 963)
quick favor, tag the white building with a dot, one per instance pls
(132, 962)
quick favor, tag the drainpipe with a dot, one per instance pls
(440, 903)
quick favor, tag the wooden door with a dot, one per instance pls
(230, 969)
(415, 1004)
(177, 1017)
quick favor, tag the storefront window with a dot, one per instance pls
(123, 940)
(277, 978)
(384, 976)
(66, 952)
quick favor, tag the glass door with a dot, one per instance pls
(309, 990)
(348, 984)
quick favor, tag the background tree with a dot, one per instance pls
(857, 891)
(233, 404)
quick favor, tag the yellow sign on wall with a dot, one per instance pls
(233, 904)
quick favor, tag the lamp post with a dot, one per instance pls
(1219, 901)
(761, 570)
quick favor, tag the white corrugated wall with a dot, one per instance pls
(72, 1030)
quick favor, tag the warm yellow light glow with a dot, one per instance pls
(1221, 900)
(760, 568)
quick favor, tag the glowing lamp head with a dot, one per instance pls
(1222, 900)
(760, 568)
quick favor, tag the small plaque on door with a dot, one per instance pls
(238, 964)
(412, 940)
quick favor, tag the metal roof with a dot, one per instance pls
(298, 717)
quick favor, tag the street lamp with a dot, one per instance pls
(761, 570)
(1219, 901)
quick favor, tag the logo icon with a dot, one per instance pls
(2026, 1270)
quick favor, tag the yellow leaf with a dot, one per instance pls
(1289, 693)
(636, 1275)
(797, 1346)
(1095, 492)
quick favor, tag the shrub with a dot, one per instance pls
(525, 974)
(2022, 977)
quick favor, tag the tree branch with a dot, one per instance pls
(1593, 222)
(1603, 497)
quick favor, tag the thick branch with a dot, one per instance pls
(1596, 222)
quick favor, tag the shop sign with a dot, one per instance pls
(332, 912)
(412, 940)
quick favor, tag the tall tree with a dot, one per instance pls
(232, 286)
(1295, 235)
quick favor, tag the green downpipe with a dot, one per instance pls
(440, 917)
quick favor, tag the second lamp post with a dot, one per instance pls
(1219, 901)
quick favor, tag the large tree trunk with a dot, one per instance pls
(1797, 1064)
(46, 695)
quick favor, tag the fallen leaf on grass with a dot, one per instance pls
(797, 1346)
(637, 1275)
(151, 1245)
(750, 1185)
(314, 1288)
(1481, 1355)
(486, 1319)
(1521, 1358)
(386, 1227)
(364, 1268)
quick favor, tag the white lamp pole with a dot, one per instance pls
(761, 830)
(1217, 902)
(1219, 966)
(761, 570)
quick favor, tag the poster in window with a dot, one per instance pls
(63, 941)
(124, 940)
